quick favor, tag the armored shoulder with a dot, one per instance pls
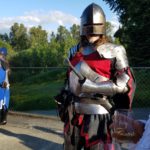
(72, 51)
(113, 51)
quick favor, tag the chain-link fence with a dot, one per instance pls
(34, 88)
(141, 102)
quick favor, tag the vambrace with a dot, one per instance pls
(108, 88)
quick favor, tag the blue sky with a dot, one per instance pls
(47, 13)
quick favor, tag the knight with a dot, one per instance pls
(100, 80)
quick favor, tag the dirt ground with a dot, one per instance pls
(24, 132)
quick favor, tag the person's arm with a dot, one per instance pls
(107, 87)
(138, 128)
(121, 79)
(6, 84)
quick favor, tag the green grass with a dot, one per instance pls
(35, 96)
(37, 91)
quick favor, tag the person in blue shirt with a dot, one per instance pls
(4, 86)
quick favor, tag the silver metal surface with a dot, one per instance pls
(87, 72)
(90, 109)
(74, 84)
(106, 88)
(92, 20)
(96, 83)
(117, 52)
(122, 80)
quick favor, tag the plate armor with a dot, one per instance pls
(107, 73)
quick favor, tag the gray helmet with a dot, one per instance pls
(92, 20)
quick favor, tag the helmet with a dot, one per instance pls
(92, 20)
(3, 51)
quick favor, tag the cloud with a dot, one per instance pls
(51, 20)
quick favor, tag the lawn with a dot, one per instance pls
(36, 92)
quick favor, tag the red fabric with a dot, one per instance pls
(89, 143)
(80, 119)
(130, 84)
(77, 120)
(100, 65)
(66, 127)
(86, 136)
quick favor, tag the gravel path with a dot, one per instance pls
(24, 132)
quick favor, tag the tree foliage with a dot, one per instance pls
(75, 32)
(4, 37)
(18, 37)
(33, 49)
(38, 37)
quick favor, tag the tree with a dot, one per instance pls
(4, 37)
(18, 37)
(66, 39)
(62, 34)
(38, 37)
(75, 32)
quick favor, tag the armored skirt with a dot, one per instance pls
(88, 132)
